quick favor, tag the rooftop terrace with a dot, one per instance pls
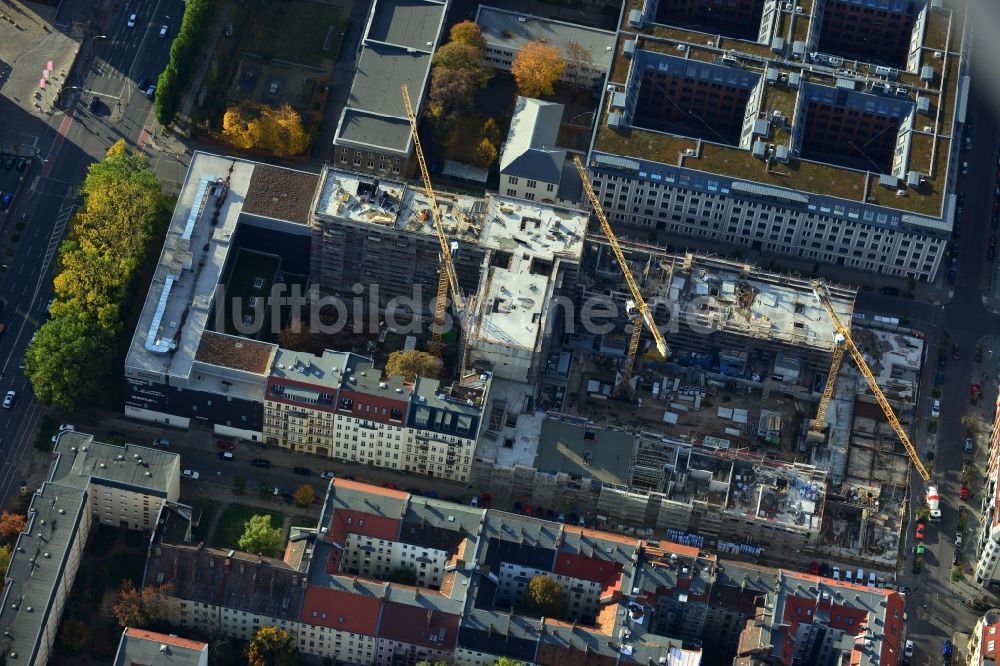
(930, 137)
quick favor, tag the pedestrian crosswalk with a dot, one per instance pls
(62, 219)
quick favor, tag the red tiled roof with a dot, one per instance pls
(344, 611)
(345, 521)
(604, 572)
(166, 639)
(416, 625)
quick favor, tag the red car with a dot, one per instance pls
(963, 492)
(814, 568)
(920, 531)
(225, 445)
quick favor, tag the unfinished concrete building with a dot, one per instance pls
(374, 240)
(723, 316)
(646, 483)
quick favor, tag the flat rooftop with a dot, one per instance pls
(512, 30)
(543, 230)
(217, 190)
(574, 446)
(396, 49)
(513, 426)
(932, 80)
(81, 461)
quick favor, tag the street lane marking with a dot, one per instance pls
(143, 138)
(64, 126)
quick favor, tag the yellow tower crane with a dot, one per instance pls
(643, 315)
(819, 423)
(844, 338)
(447, 278)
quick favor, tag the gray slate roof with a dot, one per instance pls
(398, 42)
(504, 28)
(150, 648)
(530, 151)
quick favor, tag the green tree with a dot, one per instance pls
(506, 661)
(464, 56)
(271, 646)
(259, 537)
(452, 90)
(68, 361)
(545, 596)
(167, 101)
(426, 662)
(410, 364)
(491, 132)
(468, 32)
(304, 495)
(74, 634)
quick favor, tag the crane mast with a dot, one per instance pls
(447, 278)
(822, 294)
(640, 303)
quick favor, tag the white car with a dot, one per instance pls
(163, 31)
(327, 475)
(958, 539)
(190, 474)
(8, 400)
(131, 21)
(936, 409)
(67, 427)
(908, 649)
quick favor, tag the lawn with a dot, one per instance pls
(299, 31)
(247, 267)
(464, 138)
(48, 427)
(231, 523)
(208, 511)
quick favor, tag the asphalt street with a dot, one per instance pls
(70, 141)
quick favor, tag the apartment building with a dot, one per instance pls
(628, 600)
(777, 128)
(587, 51)
(199, 351)
(988, 543)
(340, 406)
(373, 134)
(984, 641)
(729, 317)
(140, 646)
(88, 482)
(375, 246)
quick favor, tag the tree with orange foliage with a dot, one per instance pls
(536, 69)
(12, 524)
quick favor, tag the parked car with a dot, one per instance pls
(303, 471)
(261, 462)
(67, 427)
(963, 494)
(328, 475)
(474, 502)
(163, 31)
(967, 447)
(872, 579)
(150, 92)
(8, 400)
(226, 455)
(161, 443)
(890, 291)
(936, 409)
(965, 168)
(908, 649)
(190, 474)
(921, 531)
(225, 445)
(143, 84)
(958, 539)
(836, 573)
(814, 568)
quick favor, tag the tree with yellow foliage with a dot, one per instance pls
(271, 646)
(536, 69)
(254, 125)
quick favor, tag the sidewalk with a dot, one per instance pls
(182, 123)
